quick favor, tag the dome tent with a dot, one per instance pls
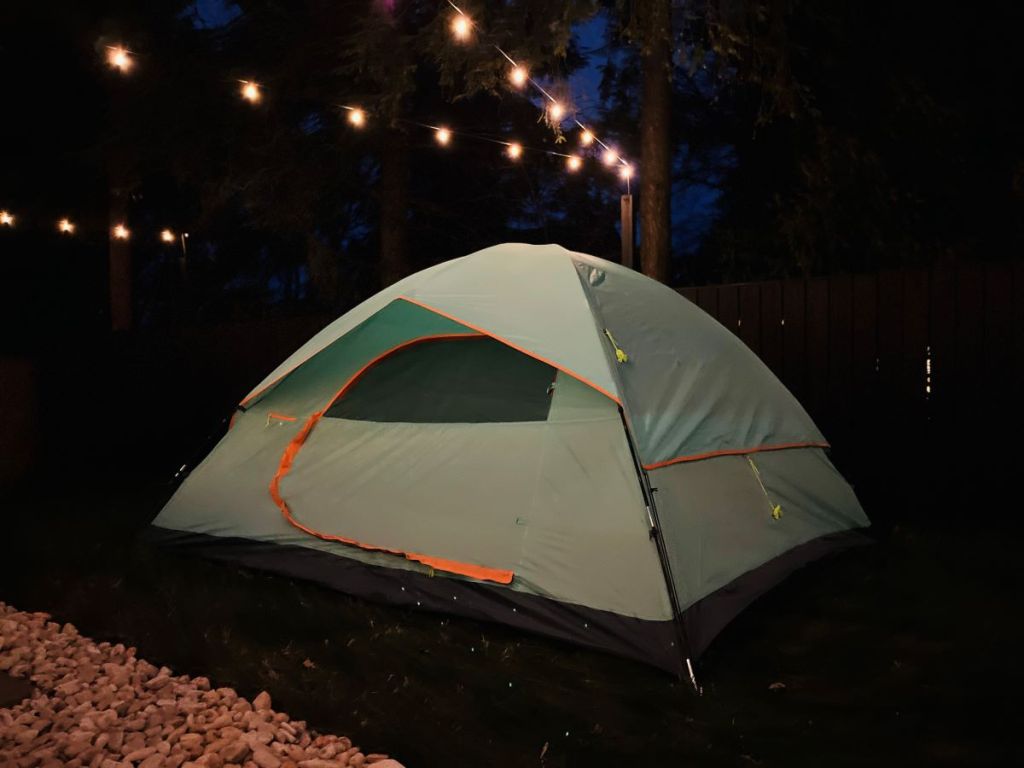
(531, 436)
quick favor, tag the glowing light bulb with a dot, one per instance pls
(166, 236)
(462, 27)
(556, 111)
(586, 138)
(610, 157)
(119, 58)
(121, 232)
(357, 117)
(443, 136)
(626, 172)
(251, 92)
(574, 162)
(66, 226)
(518, 75)
(6, 219)
(514, 150)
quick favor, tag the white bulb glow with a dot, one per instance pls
(462, 27)
(518, 75)
(357, 117)
(251, 92)
(514, 150)
(443, 136)
(119, 58)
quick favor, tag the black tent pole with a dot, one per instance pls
(666, 568)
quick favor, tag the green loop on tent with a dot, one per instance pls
(776, 508)
(620, 354)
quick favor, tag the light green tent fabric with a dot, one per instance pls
(542, 474)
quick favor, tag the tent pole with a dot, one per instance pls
(659, 541)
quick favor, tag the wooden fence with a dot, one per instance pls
(926, 362)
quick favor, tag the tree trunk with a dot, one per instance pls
(323, 271)
(394, 207)
(655, 21)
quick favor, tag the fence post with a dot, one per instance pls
(626, 222)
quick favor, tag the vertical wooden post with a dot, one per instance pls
(626, 225)
(120, 273)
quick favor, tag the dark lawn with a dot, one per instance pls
(906, 652)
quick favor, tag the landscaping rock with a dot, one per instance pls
(97, 706)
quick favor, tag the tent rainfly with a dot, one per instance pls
(530, 436)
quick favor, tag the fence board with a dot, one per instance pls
(689, 293)
(794, 352)
(840, 351)
(998, 335)
(864, 325)
(728, 306)
(771, 328)
(942, 340)
(816, 335)
(749, 322)
(911, 390)
(707, 298)
(970, 338)
(890, 336)
(1018, 326)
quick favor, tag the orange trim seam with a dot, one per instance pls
(516, 347)
(471, 570)
(734, 452)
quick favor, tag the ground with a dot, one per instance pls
(905, 652)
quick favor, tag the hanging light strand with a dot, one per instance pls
(555, 109)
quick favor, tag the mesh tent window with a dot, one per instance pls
(472, 379)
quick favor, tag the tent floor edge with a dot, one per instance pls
(651, 642)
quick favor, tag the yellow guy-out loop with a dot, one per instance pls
(620, 354)
(776, 508)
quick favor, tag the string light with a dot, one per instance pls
(166, 236)
(251, 91)
(443, 136)
(574, 163)
(357, 117)
(514, 150)
(518, 75)
(626, 172)
(66, 227)
(6, 219)
(462, 27)
(586, 138)
(119, 58)
(556, 111)
(610, 157)
(121, 232)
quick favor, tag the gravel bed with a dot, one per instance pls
(97, 705)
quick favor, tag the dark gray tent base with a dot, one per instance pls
(707, 617)
(651, 642)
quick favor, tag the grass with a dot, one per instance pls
(903, 653)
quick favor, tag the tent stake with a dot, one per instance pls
(693, 678)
